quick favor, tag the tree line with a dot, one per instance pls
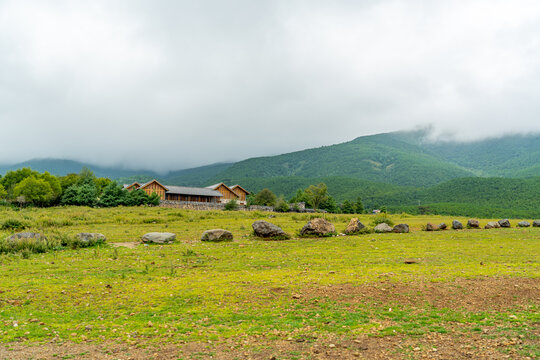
(314, 196)
(28, 187)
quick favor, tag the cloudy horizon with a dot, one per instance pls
(175, 84)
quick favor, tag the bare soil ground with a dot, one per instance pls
(484, 294)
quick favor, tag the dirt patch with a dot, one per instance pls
(481, 294)
(129, 245)
(432, 346)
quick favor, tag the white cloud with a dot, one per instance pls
(171, 84)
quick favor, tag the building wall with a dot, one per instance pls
(240, 193)
(155, 188)
(228, 195)
(192, 198)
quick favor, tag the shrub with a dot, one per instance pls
(382, 218)
(13, 224)
(281, 206)
(231, 205)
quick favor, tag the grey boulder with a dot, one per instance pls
(456, 225)
(354, 226)
(492, 225)
(383, 228)
(442, 226)
(217, 235)
(265, 229)
(536, 223)
(474, 224)
(431, 227)
(401, 228)
(505, 223)
(524, 224)
(159, 237)
(26, 235)
(318, 227)
(90, 237)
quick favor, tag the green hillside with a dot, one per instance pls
(509, 156)
(485, 197)
(380, 158)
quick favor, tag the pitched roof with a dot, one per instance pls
(183, 190)
(151, 181)
(215, 186)
(238, 186)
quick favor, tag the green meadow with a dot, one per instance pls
(480, 283)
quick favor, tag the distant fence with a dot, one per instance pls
(192, 205)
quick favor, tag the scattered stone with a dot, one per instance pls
(442, 226)
(505, 223)
(158, 237)
(89, 237)
(411, 261)
(456, 225)
(354, 226)
(217, 235)
(536, 223)
(318, 227)
(492, 225)
(265, 229)
(524, 224)
(473, 224)
(401, 228)
(26, 235)
(431, 227)
(383, 228)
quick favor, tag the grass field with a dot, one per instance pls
(471, 294)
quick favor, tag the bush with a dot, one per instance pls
(281, 206)
(231, 205)
(42, 245)
(382, 218)
(13, 224)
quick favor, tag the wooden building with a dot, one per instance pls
(227, 192)
(177, 193)
(241, 193)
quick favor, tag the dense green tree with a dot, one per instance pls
(54, 183)
(358, 206)
(329, 204)
(113, 195)
(12, 178)
(34, 190)
(86, 176)
(347, 207)
(3, 192)
(316, 194)
(69, 180)
(87, 195)
(101, 183)
(265, 197)
(69, 197)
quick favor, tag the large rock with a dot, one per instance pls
(431, 227)
(383, 228)
(536, 223)
(91, 237)
(473, 224)
(492, 225)
(401, 228)
(268, 230)
(456, 225)
(318, 227)
(442, 226)
(158, 237)
(505, 223)
(354, 226)
(524, 224)
(26, 235)
(217, 235)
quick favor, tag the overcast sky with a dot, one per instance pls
(174, 84)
